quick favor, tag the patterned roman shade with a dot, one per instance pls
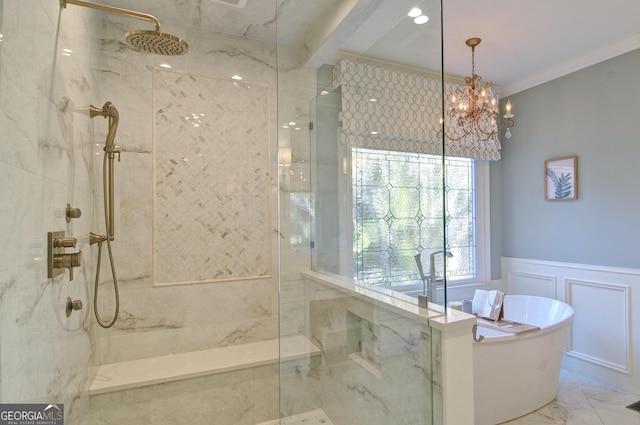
(392, 110)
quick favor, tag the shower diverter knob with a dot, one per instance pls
(73, 305)
(71, 212)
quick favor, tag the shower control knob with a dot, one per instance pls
(65, 243)
(64, 261)
(73, 305)
(68, 261)
(72, 213)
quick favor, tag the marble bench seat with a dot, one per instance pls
(174, 367)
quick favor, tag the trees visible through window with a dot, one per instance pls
(399, 211)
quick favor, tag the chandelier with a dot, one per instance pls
(474, 109)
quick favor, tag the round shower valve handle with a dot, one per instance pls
(72, 212)
(73, 305)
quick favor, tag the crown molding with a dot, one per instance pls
(601, 55)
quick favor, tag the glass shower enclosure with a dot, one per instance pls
(306, 193)
(361, 214)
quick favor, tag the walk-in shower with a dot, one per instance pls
(156, 42)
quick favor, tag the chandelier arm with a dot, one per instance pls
(508, 122)
(483, 136)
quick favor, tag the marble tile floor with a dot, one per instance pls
(580, 401)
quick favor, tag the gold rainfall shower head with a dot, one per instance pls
(155, 42)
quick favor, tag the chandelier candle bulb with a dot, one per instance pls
(507, 108)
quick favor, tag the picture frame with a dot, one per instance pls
(561, 179)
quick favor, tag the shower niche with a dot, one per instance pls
(364, 343)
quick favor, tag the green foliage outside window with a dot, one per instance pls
(399, 211)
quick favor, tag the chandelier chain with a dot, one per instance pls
(473, 61)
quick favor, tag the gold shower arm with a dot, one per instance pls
(112, 9)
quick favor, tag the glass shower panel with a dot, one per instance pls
(46, 164)
(331, 227)
(360, 195)
(196, 145)
(377, 165)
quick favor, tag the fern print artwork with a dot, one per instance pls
(561, 178)
(562, 184)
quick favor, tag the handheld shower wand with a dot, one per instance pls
(109, 111)
(110, 151)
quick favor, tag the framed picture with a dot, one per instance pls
(561, 179)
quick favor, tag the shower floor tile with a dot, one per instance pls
(313, 417)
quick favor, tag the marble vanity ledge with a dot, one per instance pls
(451, 320)
(175, 367)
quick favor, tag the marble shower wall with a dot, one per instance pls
(157, 320)
(211, 179)
(46, 150)
(377, 367)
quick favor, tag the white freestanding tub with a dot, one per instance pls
(517, 374)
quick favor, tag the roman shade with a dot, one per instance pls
(388, 109)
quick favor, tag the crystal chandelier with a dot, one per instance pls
(474, 109)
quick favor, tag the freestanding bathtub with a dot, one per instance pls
(517, 374)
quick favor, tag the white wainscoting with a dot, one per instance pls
(600, 343)
(532, 284)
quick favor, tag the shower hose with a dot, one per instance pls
(113, 269)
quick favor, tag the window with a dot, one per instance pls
(397, 212)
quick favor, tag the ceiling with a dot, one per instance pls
(524, 43)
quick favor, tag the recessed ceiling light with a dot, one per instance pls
(236, 77)
(422, 19)
(415, 12)
(164, 65)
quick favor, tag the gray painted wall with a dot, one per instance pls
(593, 113)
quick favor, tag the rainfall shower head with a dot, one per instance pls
(155, 42)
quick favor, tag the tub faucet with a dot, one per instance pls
(430, 281)
(432, 265)
(423, 301)
(433, 280)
